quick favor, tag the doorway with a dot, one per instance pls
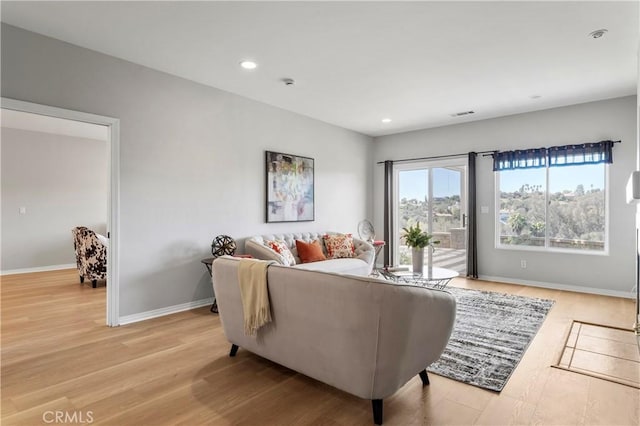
(434, 194)
(112, 222)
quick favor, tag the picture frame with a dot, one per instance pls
(290, 191)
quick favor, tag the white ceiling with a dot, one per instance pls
(355, 63)
(58, 126)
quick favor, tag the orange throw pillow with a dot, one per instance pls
(310, 252)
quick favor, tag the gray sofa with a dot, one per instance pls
(362, 335)
(361, 264)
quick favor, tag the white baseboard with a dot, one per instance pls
(38, 269)
(555, 286)
(128, 319)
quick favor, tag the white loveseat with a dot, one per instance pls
(361, 264)
(362, 335)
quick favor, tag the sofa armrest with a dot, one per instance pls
(260, 251)
(415, 327)
(364, 251)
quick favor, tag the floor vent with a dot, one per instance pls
(608, 353)
(463, 113)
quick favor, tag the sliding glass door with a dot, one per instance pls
(433, 194)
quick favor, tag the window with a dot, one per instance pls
(556, 203)
(577, 204)
(522, 215)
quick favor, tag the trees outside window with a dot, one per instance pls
(554, 208)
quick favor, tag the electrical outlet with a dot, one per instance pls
(22, 210)
(523, 264)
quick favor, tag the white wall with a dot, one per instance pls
(192, 161)
(609, 119)
(62, 183)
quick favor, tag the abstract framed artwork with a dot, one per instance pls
(290, 188)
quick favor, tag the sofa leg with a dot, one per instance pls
(424, 378)
(376, 404)
(234, 350)
(94, 283)
(81, 280)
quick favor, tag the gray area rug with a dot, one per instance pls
(490, 335)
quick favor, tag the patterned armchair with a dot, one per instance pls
(91, 255)
(77, 245)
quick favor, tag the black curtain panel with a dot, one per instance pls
(388, 212)
(472, 229)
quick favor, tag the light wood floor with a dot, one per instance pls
(57, 355)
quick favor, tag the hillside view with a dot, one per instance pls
(576, 219)
(446, 213)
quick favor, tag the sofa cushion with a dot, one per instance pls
(310, 252)
(347, 266)
(281, 247)
(339, 246)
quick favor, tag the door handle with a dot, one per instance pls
(464, 220)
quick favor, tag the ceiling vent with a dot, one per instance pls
(598, 33)
(463, 113)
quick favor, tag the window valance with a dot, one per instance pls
(567, 155)
(520, 159)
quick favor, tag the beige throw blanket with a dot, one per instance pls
(252, 276)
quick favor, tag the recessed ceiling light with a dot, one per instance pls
(248, 65)
(597, 33)
(386, 120)
(535, 96)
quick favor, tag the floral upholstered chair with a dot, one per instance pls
(77, 247)
(91, 255)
